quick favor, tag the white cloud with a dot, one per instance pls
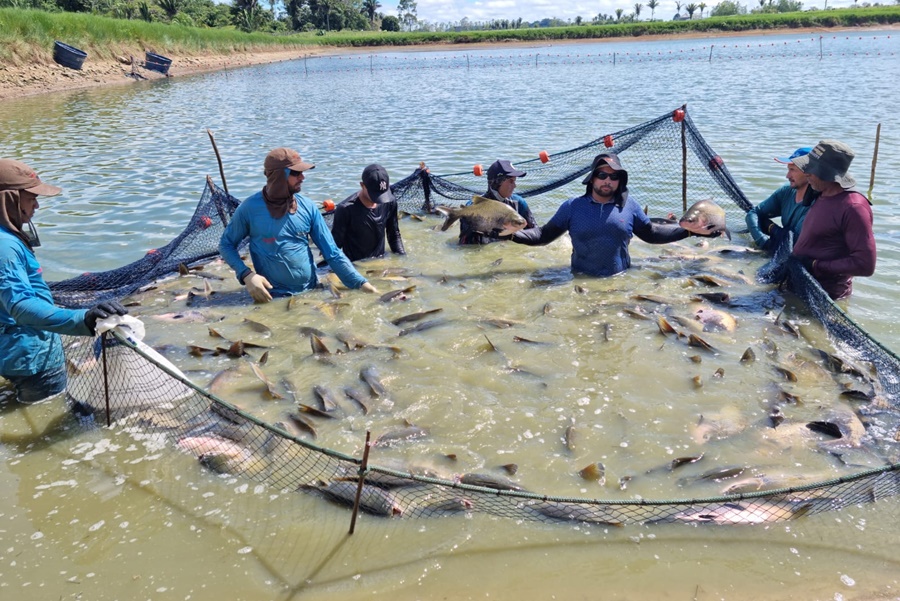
(444, 11)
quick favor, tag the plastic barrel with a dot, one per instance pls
(157, 62)
(68, 56)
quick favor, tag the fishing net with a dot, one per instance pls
(112, 380)
(111, 377)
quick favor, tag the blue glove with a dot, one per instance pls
(102, 311)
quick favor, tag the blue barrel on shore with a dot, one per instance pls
(68, 56)
(157, 62)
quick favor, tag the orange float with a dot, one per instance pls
(205, 222)
(608, 141)
(477, 170)
(328, 205)
(545, 158)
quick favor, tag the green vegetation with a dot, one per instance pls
(28, 35)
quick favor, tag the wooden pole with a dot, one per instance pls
(103, 338)
(874, 162)
(683, 162)
(710, 52)
(362, 476)
(219, 159)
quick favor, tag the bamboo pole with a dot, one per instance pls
(874, 162)
(212, 139)
(362, 476)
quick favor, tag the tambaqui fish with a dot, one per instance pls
(484, 215)
(704, 217)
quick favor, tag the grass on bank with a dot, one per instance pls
(28, 35)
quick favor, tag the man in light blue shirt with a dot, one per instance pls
(279, 222)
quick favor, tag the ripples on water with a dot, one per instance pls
(132, 161)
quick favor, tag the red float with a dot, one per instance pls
(608, 141)
(678, 115)
(477, 170)
(545, 158)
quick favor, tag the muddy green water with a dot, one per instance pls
(100, 515)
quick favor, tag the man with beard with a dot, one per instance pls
(279, 222)
(362, 220)
(31, 352)
(837, 241)
(501, 177)
(790, 203)
(602, 222)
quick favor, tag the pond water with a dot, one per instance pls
(95, 514)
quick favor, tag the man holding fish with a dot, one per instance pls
(837, 241)
(602, 222)
(790, 203)
(362, 220)
(279, 222)
(501, 185)
(31, 352)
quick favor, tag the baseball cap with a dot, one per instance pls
(377, 183)
(16, 175)
(503, 167)
(797, 153)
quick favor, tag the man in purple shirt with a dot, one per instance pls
(836, 242)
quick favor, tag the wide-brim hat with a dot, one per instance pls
(829, 161)
(285, 158)
(608, 158)
(16, 175)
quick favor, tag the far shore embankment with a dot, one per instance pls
(40, 76)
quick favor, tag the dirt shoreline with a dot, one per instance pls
(18, 81)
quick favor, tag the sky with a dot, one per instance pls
(444, 11)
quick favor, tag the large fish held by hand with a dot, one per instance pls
(705, 218)
(485, 215)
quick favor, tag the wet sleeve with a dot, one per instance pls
(525, 211)
(392, 229)
(235, 232)
(336, 259)
(767, 209)
(339, 225)
(20, 301)
(860, 241)
(661, 233)
(538, 236)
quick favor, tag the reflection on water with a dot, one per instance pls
(98, 513)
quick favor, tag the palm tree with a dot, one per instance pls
(652, 4)
(691, 8)
(702, 6)
(619, 12)
(370, 7)
(637, 11)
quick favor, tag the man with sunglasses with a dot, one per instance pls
(279, 222)
(501, 177)
(31, 352)
(602, 222)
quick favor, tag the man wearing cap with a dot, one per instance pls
(362, 220)
(789, 202)
(837, 241)
(501, 177)
(602, 222)
(279, 222)
(31, 353)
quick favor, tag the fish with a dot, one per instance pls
(260, 328)
(318, 345)
(488, 481)
(326, 398)
(396, 294)
(484, 215)
(574, 512)
(705, 217)
(715, 320)
(756, 512)
(406, 433)
(415, 316)
(270, 388)
(369, 375)
(594, 471)
(728, 421)
(372, 500)
(357, 397)
(183, 317)
(425, 325)
(297, 426)
(842, 423)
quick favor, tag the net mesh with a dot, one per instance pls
(115, 381)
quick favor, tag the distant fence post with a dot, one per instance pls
(614, 59)
(371, 65)
(467, 62)
(305, 66)
(711, 46)
(820, 47)
(536, 55)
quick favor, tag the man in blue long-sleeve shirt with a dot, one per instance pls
(279, 222)
(789, 202)
(31, 353)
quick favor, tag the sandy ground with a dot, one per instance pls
(17, 81)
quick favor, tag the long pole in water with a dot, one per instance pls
(212, 139)
(683, 163)
(103, 338)
(711, 46)
(874, 162)
(820, 47)
(362, 472)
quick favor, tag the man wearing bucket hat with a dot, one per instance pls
(31, 353)
(789, 203)
(279, 222)
(602, 222)
(837, 241)
(362, 220)
(501, 177)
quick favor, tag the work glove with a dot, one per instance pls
(258, 287)
(776, 235)
(102, 311)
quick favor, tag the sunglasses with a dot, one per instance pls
(601, 175)
(293, 173)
